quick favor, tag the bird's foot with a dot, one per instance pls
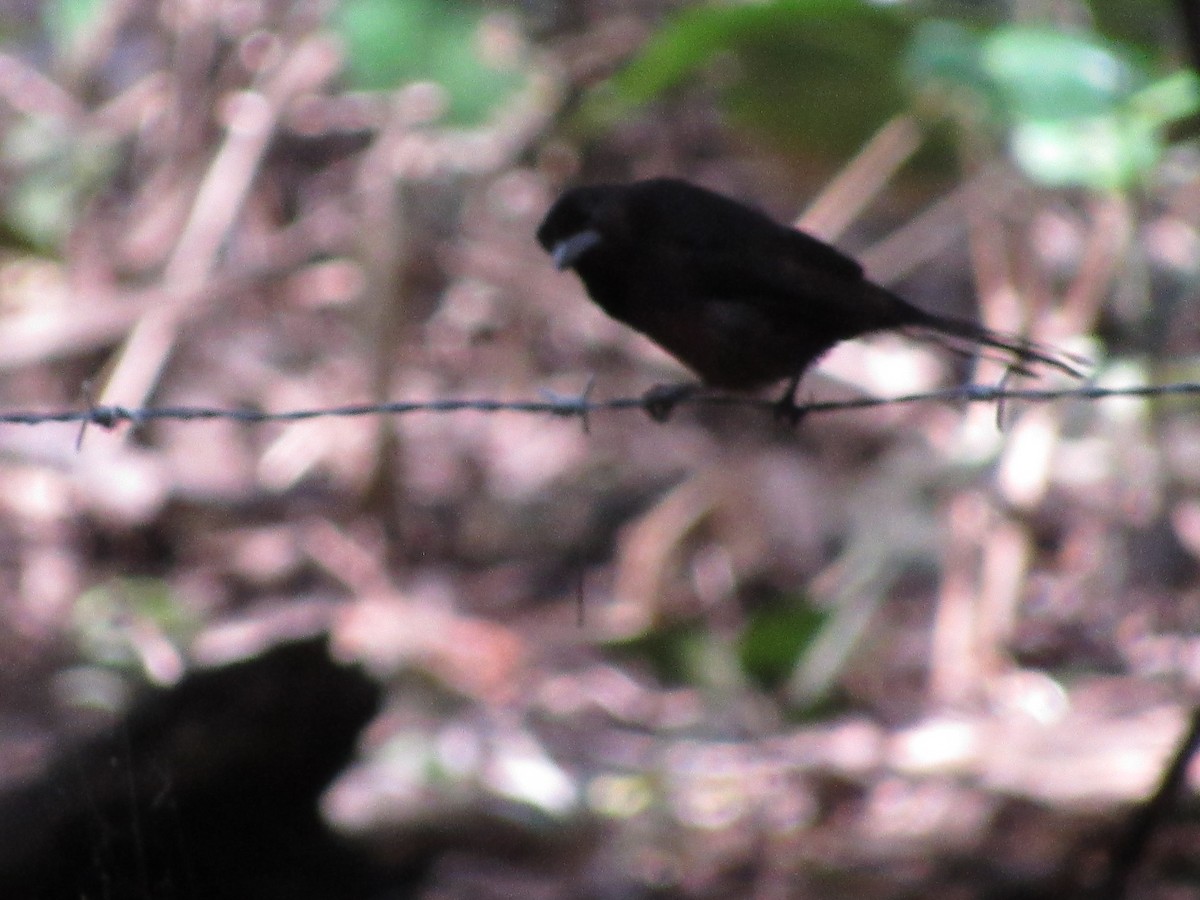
(660, 401)
(786, 411)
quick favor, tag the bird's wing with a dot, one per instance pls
(687, 218)
(790, 269)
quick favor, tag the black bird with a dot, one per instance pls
(737, 297)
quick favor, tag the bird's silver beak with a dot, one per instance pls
(567, 251)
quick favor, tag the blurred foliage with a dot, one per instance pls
(67, 21)
(393, 42)
(1076, 109)
(51, 168)
(112, 617)
(775, 640)
(464, 623)
(1136, 22)
(475, 57)
(56, 170)
(806, 74)
(767, 649)
(677, 654)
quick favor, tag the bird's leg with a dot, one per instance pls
(660, 401)
(786, 410)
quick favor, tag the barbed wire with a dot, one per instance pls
(582, 405)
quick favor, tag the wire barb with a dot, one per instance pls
(567, 405)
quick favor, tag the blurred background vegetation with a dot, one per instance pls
(891, 653)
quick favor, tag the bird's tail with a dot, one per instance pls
(1023, 355)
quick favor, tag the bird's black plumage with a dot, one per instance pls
(734, 295)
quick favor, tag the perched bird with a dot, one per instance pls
(737, 297)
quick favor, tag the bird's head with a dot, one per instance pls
(581, 222)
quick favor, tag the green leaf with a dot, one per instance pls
(1101, 152)
(674, 653)
(1169, 99)
(69, 21)
(56, 169)
(803, 73)
(386, 41)
(1078, 110)
(1048, 74)
(942, 65)
(40, 209)
(390, 43)
(775, 640)
(108, 617)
